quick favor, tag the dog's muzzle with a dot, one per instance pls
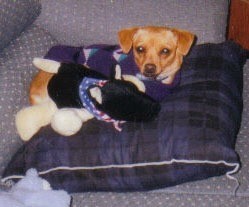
(150, 70)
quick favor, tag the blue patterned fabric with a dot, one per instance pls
(85, 84)
(89, 105)
(193, 137)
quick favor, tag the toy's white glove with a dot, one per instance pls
(68, 121)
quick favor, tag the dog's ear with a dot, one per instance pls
(125, 37)
(95, 93)
(185, 41)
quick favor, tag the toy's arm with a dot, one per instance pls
(140, 85)
(68, 121)
(131, 78)
(49, 66)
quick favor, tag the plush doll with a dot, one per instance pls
(34, 191)
(77, 94)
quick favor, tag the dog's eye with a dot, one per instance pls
(140, 49)
(164, 51)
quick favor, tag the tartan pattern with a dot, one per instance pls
(198, 121)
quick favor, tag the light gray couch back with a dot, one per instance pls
(84, 22)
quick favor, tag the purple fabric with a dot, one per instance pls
(103, 58)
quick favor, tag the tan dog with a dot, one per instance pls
(38, 88)
(158, 51)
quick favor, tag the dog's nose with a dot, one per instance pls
(150, 70)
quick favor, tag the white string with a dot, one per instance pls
(228, 174)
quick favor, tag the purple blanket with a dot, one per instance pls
(102, 58)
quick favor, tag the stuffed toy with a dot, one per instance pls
(77, 94)
(34, 191)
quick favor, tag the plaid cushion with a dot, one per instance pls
(192, 138)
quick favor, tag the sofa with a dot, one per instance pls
(30, 28)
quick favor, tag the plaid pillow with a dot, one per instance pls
(193, 137)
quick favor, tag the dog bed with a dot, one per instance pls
(192, 138)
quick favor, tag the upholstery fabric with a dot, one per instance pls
(243, 141)
(193, 137)
(16, 71)
(139, 199)
(66, 20)
(15, 16)
(78, 23)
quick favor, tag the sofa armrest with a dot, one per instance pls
(15, 16)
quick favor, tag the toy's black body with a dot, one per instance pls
(121, 100)
(63, 88)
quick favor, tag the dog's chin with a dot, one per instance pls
(161, 78)
(164, 75)
(150, 77)
(143, 77)
(157, 77)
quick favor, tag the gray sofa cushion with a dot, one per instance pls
(142, 199)
(78, 22)
(243, 138)
(15, 16)
(16, 71)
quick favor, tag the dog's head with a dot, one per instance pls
(158, 51)
(124, 100)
